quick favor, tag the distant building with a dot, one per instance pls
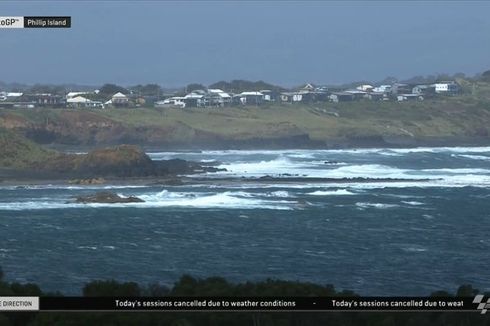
(269, 95)
(426, 90)
(172, 102)
(409, 97)
(377, 96)
(365, 88)
(308, 87)
(399, 88)
(120, 100)
(10, 96)
(357, 94)
(341, 97)
(447, 87)
(292, 97)
(194, 99)
(382, 89)
(75, 94)
(251, 98)
(218, 97)
(45, 100)
(82, 102)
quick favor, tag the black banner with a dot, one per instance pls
(312, 304)
(47, 22)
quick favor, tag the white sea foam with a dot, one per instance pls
(473, 157)
(331, 192)
(301, 155)
(414, 249)
(277, 166)
(279, 193)
(165, 198)
(375, 205)
(71, 187)
(413, 203)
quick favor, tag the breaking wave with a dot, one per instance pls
(331, 192)
(226, 200)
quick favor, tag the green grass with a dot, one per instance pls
(18, 152)
(440, 117)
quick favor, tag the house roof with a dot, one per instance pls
(342, 94)
(215, 90)
(78, 99)
(119, 95)
(74, 94)
(224, 95)
(14, 94)
(355, 91)
(194, 95)
(251, 93)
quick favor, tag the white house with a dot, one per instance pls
(251, 98)
(382, 89)
(172, 102)
(119, 99)
(449, 87)
(82, 102)
(194, 100)
(292, 96)
(224, 98)
(75, 94)
(9, 96)
(365, 88)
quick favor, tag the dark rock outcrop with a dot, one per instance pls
(107, 198)
(120, 161)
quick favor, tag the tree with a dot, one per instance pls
(147, 90)
(111, 288)
(486, 76)
(111, 89)
(195, 87)
(238, 86)
(47, 89)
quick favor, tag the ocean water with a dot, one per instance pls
(376, 238)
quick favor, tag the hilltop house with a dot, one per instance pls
(250, 98)
(424, 90)
(82, 102)
(172, 102)
(382, 89)
(217, 97)
(356, 94)
(341, 97)
(119, 100)
(447, 87)
(292, 97)
(45, 100)
(10, 96)
(75, 94)
(399, 88)
(194, 99)
(269, 95)
(365, 88)
(377, 96)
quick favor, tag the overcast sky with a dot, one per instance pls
(287, 43)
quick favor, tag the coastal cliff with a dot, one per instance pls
(441, 122)
(22, 157)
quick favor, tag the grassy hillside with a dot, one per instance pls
(18, 152)
(462, 117)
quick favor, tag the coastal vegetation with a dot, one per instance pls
(25, 159)
(188, 286)
(450, 120)
(440, 119)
